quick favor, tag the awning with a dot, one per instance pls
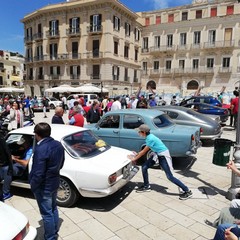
(15, 78)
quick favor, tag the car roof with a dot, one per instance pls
(150, 112)
(204, 104)
(57, 130)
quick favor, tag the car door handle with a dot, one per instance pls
(115, 131)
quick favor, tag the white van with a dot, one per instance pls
(89, 98)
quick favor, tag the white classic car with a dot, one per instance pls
(14, 225)
(92, 168)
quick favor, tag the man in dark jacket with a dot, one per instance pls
(44, 177)
(57, 117)
(93, 115)
(5, 160)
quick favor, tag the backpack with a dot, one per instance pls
(5, 155)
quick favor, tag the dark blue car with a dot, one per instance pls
(202, 99)
(209, 109)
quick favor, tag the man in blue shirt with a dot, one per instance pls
(161, 153)
(19, 165)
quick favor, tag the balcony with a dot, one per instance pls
(96, 76)
(145, 50)
(28, 59)
(218, 44)
(162, 49)
(30, 77)
(183, 47)
(73, 32)
(52, 33)
(96, 29)
(155, 71)
(40, 77)
(74, 76)
(28, 39)
(225, 70)
(135, 79)
(38, 36)
(115, 77)
(38, 58)
(54, 77)
(94, 54)
(74, 56)
(196, 46)
(126, 79)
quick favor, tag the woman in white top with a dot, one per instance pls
(15, 116)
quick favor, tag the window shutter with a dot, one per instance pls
(213, 12)
(118, 23)
(71, 70)
(147, 21)
(78, 70)
(51, 70)
(78, 22)
(158, 19)
(230, 10)
(58, 70)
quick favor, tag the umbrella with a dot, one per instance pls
(61, 89)
(88, 88)
(11, 89)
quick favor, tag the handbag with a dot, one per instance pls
(9, 127)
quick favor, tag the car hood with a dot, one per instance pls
(11, 221)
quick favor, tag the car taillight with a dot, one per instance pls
(23, 233)
(201, 130)
(112, 178)
(193, 138)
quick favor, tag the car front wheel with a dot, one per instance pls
(67, 194)
(52, 106)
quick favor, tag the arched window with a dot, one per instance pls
(192, 85)
(151, 84)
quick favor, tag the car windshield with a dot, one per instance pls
(163, 121)
(84, 144)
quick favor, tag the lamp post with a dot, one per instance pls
(235, 182)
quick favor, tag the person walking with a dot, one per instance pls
(234, 107)
(44, 177)
(15, 116)
(57, 117)
(162, 154)
(45, 105)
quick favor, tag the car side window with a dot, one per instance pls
(132, 121)
(172, 115)
(110, 121)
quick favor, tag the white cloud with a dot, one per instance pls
(159, 4)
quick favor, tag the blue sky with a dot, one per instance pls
(13, 11)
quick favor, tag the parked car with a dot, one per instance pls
(14, 225)
(118, 129)
(38, 105)
(211, 129)
(92, 168)
(201, 99)
(209, 109)
(53, 102)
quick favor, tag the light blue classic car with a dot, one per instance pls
(117, 128)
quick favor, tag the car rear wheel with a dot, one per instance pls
(52, 106)
(67, 194)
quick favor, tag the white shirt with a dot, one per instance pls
(116, 105)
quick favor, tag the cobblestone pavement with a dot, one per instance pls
(158, 214)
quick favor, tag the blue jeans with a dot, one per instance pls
(219, 235)
(48, 208)
(164, 165)
(18, 170)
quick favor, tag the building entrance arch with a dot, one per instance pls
(193, 85)
(151, 85)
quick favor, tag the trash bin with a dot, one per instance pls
(222, 151)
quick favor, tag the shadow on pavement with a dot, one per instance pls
(183, 166)
(106, 204)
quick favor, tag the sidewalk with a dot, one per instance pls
(158, 214)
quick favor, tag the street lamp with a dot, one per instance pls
(235, 183)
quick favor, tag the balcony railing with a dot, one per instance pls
(126, 78)
(94, 29)
(52, 33)
(39, 58)
(135, 79)
(219, 44)
(94, 54)
(145, 50)
(74, 56)
(54, 77)
(30, 77)
(38, 36)
(40, 77)
(155, 71)
(72, 32)
(95, 76)
(28, 59)
(225, 69)
(163, 48)
(115, 77)
(28, 39)
(74, 76)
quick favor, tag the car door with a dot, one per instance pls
(109, 129)
(129, 137)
